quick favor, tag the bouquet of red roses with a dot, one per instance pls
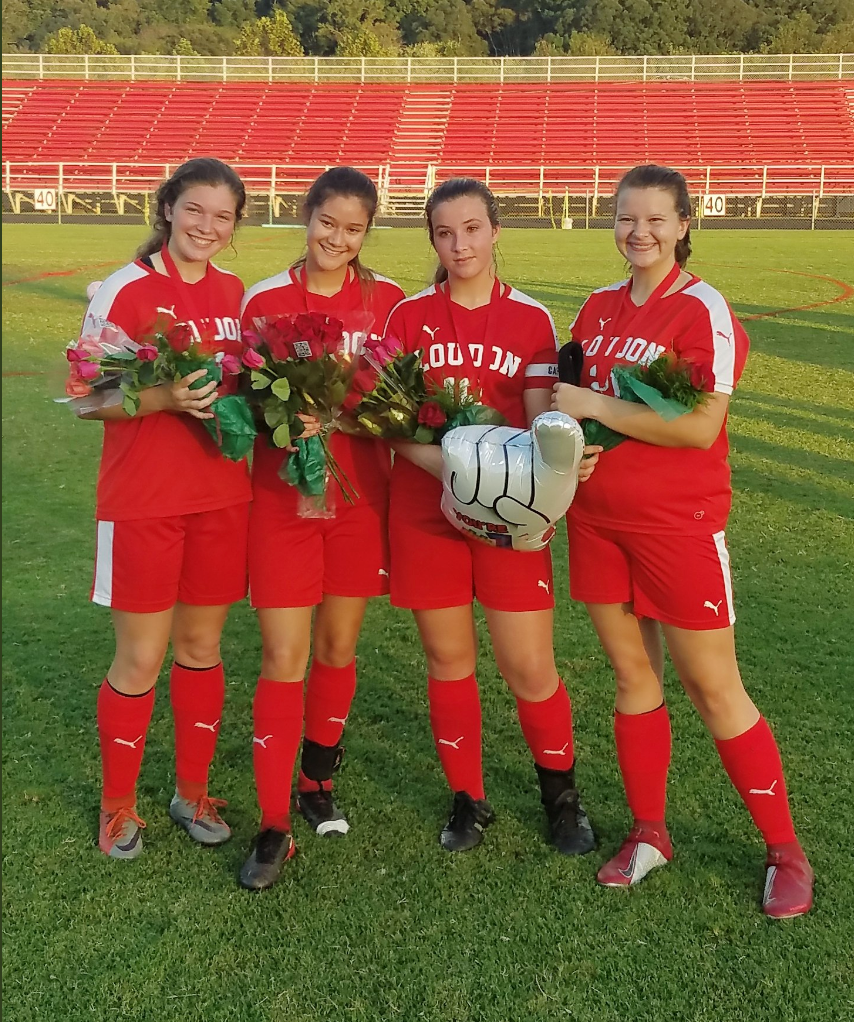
(302, 366)
(670, 386)
(393, 399)
(106, 367)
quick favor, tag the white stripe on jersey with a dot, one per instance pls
(523, 299)
(541, 369)
(282, 279)
(412, 298)
(220, 269)
(723, 558)
(723, 334)
(107, 293)
(102, 591)
(598, 291)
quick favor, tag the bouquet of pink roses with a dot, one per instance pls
(106, 367)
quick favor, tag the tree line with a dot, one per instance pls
(373, 28)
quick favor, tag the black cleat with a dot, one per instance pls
(321, 813)
(270, 850)
(569, 829)
(466, 824)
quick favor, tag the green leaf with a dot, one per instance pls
(259, 380)
(423, 435)
(281, 388)
(275, 415)
(130, 404)
(282, 435)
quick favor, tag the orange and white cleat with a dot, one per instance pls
(120, 834)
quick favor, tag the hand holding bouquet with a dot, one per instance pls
(393, 399)
(670, 386)
(106, 367)
(302, 366)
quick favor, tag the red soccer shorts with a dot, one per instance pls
(679, 580)
(149, 565)
(294, 561)
(434, 565)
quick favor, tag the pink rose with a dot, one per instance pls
(252, 360)
(88, 370)
(230, 364)
(146, 353)
(75, 354)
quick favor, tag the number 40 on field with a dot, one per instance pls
(45, 199)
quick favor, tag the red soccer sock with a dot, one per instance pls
(643, 752)
(122, 726)
(547, 727)
(277, 712)
(328, 697)
(456, 724)
(197, 695)
(752, 761)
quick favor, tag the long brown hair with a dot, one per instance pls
(651, 175)
(201, 171)
(344, 182)
(456, 188)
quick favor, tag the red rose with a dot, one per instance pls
(309, 326)
(146, 353)
(180, 337)
(331, 332)
(430, 414)
(364, 381)
(279, 348)
(702, 376)
(351, 401)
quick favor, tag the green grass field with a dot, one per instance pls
(384, 925)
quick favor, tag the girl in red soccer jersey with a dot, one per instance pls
(473, 327)
(647, 543)
(172, 513)
(299, 564)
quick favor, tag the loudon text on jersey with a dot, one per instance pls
(437, 356)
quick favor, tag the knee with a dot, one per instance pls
(633, 673)
(197, 648)
(532, 680)
(449, 663)
(334, 650)
(135, 671)
(284, 661)
(715, 701)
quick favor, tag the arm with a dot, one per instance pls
(698, 428)
(426, 456)
(166, 397)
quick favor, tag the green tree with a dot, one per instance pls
(363, 42)
(184, 48)
(268, 37)
(840, 38)
(77, 40)
(796, 34)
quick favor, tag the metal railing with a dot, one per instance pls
(429, 70)
(418, 179)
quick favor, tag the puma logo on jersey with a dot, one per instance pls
(432, 332)
(713, 606)
(337, 720)
(453, 745)
(262, 741)
(556, 752)
(168, 312)
(726, 337)
(130, 745)
(602, 323)
(763, 791)
(207, 727)
(544, 585)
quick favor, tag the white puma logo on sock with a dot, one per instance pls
(337, 720)
(453, 745)
(556, 752)
(544, 585)
(207, 727)
(261, 741)
(713, 606)
(382, 571)
(763, 791)
(130, 745)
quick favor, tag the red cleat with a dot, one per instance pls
(788, 883)
(646, 847)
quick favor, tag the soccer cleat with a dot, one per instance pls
(120, 834)
(467, 822)
(201, 819)
(569, 828)
(321, 813)
(788, 884)
(270, 850)
(646, 847)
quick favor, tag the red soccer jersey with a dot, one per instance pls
(501, 350)
(641, 487)
(163, 464)
(365, 462)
